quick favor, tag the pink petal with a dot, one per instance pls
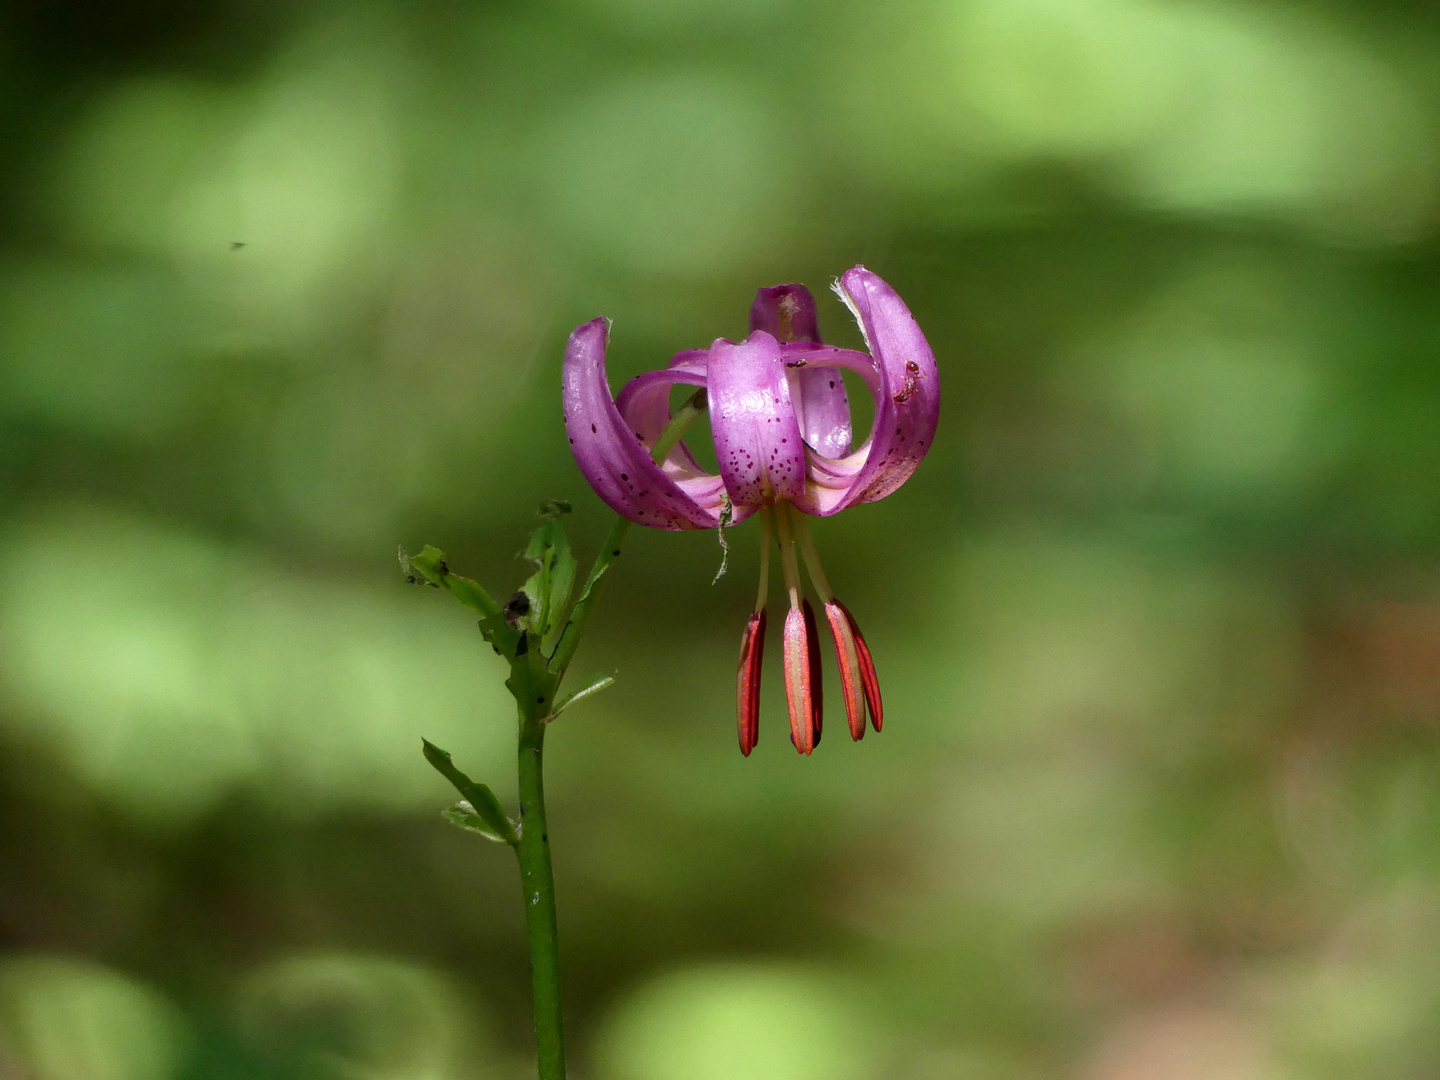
(611, 455)
(787, 313)
(757, 437)
(819, 393)
(908, 408)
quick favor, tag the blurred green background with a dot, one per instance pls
(285, 283)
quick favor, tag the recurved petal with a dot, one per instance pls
(822, 406)
(611, 455)
(907, 400)
(819, 390)
(786, 313)
(644, 406)
(757, 436)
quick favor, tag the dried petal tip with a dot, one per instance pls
(801, 689)
(847, 653)
(868, 681)
(747, 704)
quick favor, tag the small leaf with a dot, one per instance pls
(430, 564)
(481, 799)
(550, 586)
(551, 509)
(593, 685)
(414, 575)
(470, 593)
(464, 816)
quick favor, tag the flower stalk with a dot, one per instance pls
(519, 631)
(537, 882)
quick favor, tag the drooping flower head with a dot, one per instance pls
(783, 440)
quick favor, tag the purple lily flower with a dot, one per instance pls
(781, 422)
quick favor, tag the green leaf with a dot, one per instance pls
(550, 586)
(593, 685)
(430, 565)
(466, 817)
(416, 571)
(470, 593)
(481, 799)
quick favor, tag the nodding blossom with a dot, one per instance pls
(781, 423)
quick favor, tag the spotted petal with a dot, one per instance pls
(907, 408)
(613, 457)
(787, 313)
(757, 436)
(905, 383)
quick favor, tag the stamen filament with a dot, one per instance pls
(812, 557)
(787, 553)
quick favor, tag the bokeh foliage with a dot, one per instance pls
(285, 284)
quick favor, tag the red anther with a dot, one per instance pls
(747, 697)
(817, 679)
(847, 653)
(800, 681)
(867, 669)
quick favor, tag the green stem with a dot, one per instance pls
(538, 883)
(537, 879)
